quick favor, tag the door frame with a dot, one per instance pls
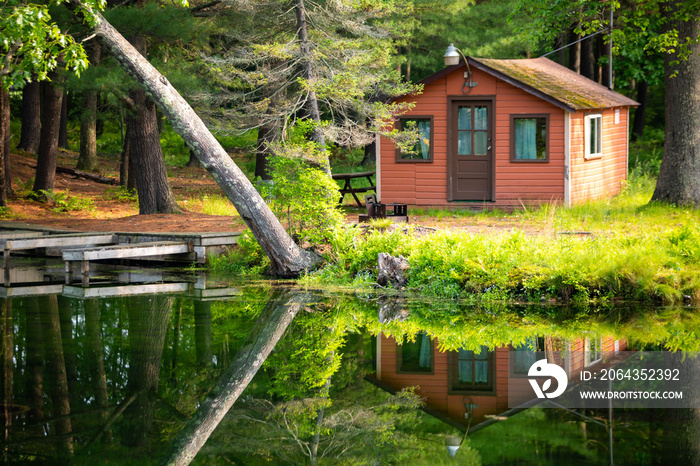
(456, 99)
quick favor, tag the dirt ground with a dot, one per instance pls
(189, 184)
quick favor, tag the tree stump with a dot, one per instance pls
(392, 270)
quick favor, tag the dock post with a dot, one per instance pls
(85, 271)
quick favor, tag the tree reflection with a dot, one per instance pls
(56, 372)
(271, 325)
(148, 324)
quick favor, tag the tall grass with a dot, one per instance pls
(212, 205)
(633, 250)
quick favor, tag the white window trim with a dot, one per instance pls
(587, 136)
(587, 353)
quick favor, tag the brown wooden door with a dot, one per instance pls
(471, 160)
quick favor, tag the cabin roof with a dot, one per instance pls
(547, 80)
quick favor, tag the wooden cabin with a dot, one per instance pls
(508, 133)
(492, 381)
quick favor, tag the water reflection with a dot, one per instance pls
(466, 386)
(150, 378)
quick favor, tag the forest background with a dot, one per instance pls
(309, 82)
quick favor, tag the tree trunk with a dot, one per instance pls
(4, 142)
(270, 327)
(177, 336)
(146, 156)
(640, 112)
(203, 334)
(63, 128)
(7, 347)
(65, 313)
(35, 364)
(145, 153)
(95, 353)
(588, 58)
(679, 176)
(316, 439)
(56, 372)
(87, 160)
(308, 73)
(559, 43)
(7, 189)
(287, 259)
(125, 164)
(370, 157)
(267, 134)
(48, 145)
(192, 162)
(575, 52)
(605, 76)
(680, 439)
(148, 325)
(31, 121)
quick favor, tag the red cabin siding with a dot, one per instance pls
(513, 183)
(434, 387)
(604, 176)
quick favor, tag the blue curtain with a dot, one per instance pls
(424, 143)
(424, 359)
(465, 366)
(525, 138)
(481, 366)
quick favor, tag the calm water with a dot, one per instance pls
(92, 378)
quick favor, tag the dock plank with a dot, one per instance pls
(20, 234)
(56, 241)
(37, 290)
(124, 290)
(127, 251)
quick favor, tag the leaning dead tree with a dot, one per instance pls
(274, 320)
(286, 257)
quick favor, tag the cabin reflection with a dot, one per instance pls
(468, 386)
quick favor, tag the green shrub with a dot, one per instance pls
(305, 199)
(62, 201)
(121, 194)
(246, 259)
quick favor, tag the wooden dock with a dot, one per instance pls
(83, 248)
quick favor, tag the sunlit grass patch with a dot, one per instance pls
(212, 204)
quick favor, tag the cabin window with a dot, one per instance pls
(422, 150)
(471, 371)
(416, 356)
(594, 136)
(593, 351)
(529, 135)
(526, 354)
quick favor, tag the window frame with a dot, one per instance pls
(587, 361)
(513, 117)
(399, 126)
(453, 371)
(587, 136)
(539, 352)
(399, 359)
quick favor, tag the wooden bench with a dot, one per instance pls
(349, 189)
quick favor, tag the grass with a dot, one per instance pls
(212, 205)
(637, 251)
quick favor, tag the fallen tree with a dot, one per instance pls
(286, 257)
(270, 327)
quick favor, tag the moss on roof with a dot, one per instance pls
(557, 82)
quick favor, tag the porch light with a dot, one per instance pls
(452, 56)
(453, 442)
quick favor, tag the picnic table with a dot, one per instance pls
(349, 189)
